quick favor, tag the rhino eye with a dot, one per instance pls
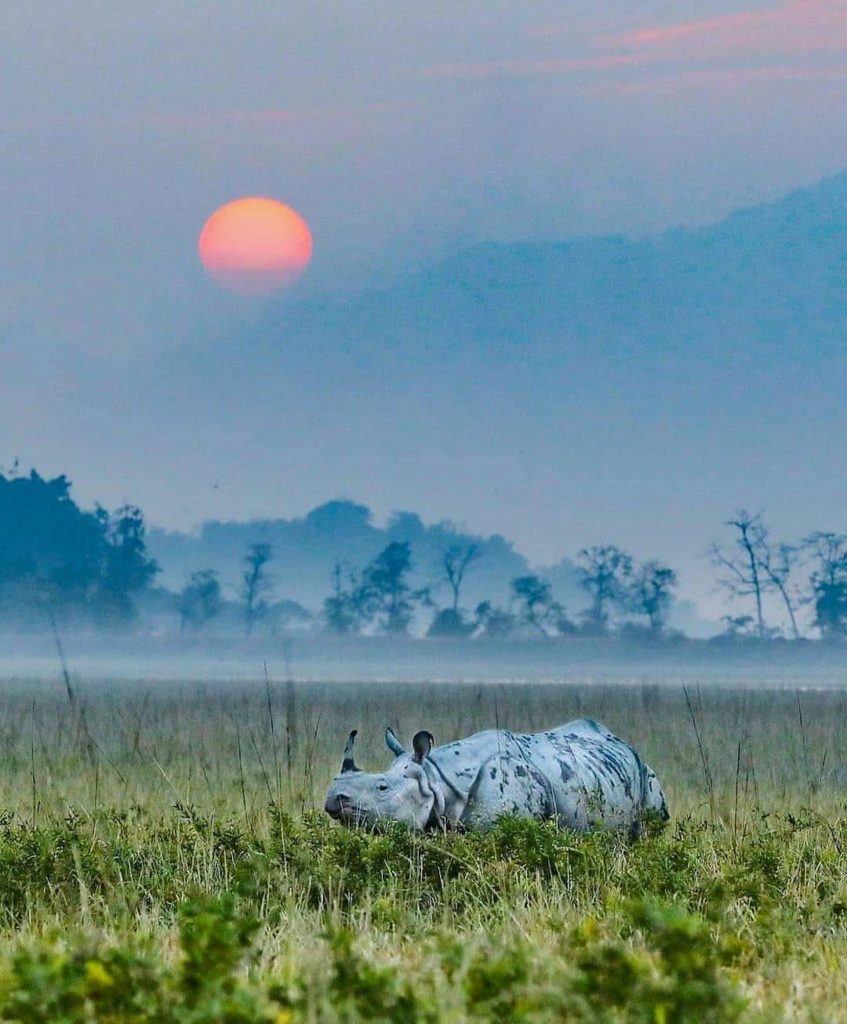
(382, 787)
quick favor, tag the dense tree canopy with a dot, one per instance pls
(56, 557)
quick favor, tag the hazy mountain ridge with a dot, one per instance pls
(778, 270)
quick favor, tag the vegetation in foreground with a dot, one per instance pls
(162, 859)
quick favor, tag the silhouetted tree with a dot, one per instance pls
(778, 563)
(493, 621)
(384, 593)
(341, 610)
(450, 622)
(745, 575)
(199, 600)
(51, 552)
(829, 583)
(738, 625)
(128, 568)
(651, 593)
(54, 555)
(256, 583)
(560, 620)
(456, 561)
(605, 572)
(757, 567)
(535, 601)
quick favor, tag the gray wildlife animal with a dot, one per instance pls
(578, 774)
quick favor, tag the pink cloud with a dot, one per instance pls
(565, 66)
(725, 79)
(798, 27)
(793, 31)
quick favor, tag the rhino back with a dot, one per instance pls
(579, 773)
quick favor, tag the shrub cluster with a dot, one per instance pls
(675, 976)
(310, 922)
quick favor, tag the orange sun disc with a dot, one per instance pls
(254, 245)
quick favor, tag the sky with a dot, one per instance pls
(404, 133)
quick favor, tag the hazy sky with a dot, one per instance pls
(402, 132)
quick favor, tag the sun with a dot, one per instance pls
(255, 245)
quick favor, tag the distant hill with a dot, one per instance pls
(306, 549)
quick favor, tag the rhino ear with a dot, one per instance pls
(393, 744)
(422, 744)
(347, 763)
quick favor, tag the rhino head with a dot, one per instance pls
(408, 791)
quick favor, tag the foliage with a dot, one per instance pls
(172, 875)
(605, 575)
(200, 599)
(676, 978)
(537, 608)
(651, 593)
(829, 583)
(450, 622)
(494, 621)
(456, 560)
(51, 985)
(56, 558)
(342, 613)
(127, 570)
(616, 957)
(384, 594)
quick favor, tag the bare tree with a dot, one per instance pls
(745, 574)
(651, 592)
(778, 566)
(256, 583)
(455, 562)
(605, 571)
(758, 567)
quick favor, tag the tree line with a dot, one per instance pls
(380, 597)
(804, 576)
(57, 559)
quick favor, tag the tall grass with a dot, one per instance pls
(163, 857)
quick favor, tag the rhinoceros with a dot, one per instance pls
(578, 774)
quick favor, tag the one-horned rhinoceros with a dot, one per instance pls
(578, 774)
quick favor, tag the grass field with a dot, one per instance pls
(163, 857)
